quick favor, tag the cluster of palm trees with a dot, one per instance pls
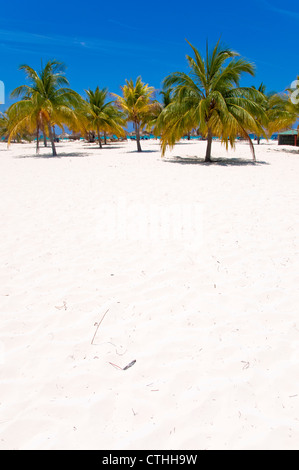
(208, 99)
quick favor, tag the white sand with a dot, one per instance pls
(213, 325)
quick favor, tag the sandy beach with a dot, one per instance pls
(211, 320)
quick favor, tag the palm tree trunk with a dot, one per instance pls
(45, 137)
(247, 136)
(105, 138)
(99, 138)
(52, 140)
(252, 148)
(137, 129)
(37, 139)
(209, 146)
(91, 137)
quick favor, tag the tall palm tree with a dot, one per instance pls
(210, 98)
(263, 119)
(45, 101)
(138, 104)
(100, 115)
(282, 111)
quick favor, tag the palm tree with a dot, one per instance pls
(4, 122)
(166, 97)
(100, 115)
(263, 101)
(158, 108)
(46, 101)
(279, 111)
(138, 104)
(209, 98)
(5, 130)
(282, 111)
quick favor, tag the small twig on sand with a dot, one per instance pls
(62, 306)
(123, 368)
(129, 365)
(98, 326)
(246, 365)
(116, 366)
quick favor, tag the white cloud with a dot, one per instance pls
(283, 11)
(20, 41)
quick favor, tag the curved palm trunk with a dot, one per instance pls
(99, 138)
(52, 140)
(209, 146)
(37, 139)
(45, 137)
(247, 136)
(137, 130)
(251, 148)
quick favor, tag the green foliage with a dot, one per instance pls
(96, 114)
(4, 130)
(279, 113)
(282, 112)
(46, 101)
(3, 125)
(138, 105)
(209, 98)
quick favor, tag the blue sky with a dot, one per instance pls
(103, 43)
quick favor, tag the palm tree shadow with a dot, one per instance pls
(102, 149)
(49, 156)
(143, 151)
(215, 161)
(286, 150)
(72, 154)
(105, 147)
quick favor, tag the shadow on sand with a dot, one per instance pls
(143, 151)
(106, 147)
(286, 150)
(49, 156)
(215, 161)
